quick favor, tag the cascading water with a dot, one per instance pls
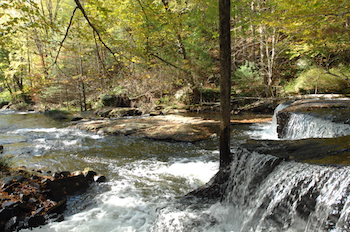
(301, 126)
(288, 196)
(147, 180)
(268, 130)
(267, 194)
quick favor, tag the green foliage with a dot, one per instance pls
(5, 96)
(248, 80)
(157, 47)
(316, 80)
(5, 162)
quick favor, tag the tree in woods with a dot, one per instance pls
(50, 50)
(225, 81)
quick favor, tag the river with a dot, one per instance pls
(147, 180)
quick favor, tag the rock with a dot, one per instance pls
(120, 100)
(1, 148)
(100, 179)
(90, 176)
(36, 220)
(332, 151)
(59, 188)
(57, 114)
(7, 181)
(77, 118)
(11, 224)
(165, 127)
(30, 201)
(58, 208)
(111, 112)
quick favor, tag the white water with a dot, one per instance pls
(146, 181)
(263, 196)
(301, 126)
(267, 130)
(131, 201)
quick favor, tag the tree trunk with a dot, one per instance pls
(225, 82)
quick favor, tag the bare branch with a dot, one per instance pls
(168, 63)
(65, 36)
(81, 8)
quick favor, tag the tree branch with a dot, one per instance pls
(168, 63)
(65, 36)
(94, 28)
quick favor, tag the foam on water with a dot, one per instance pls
(131, 201)
(267, 130)
(144, 190)
(301, 126)
(265, 194)
(46, 139)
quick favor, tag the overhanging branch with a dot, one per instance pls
(65, 36)
(81, 8)
(168, 63)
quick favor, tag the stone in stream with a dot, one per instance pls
(29, 200)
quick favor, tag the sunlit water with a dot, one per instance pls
(147, 180)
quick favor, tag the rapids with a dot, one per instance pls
(147, 180)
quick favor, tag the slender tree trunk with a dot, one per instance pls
(83, 94)
(225, 82)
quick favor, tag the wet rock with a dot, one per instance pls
(90, 176)
(30, 201)
(58, 208)
(36, 220)
(57, 175)
(331, 151)
(100, 179)
(60, 188)
(11, 224)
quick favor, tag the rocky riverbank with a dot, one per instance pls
(33, 198)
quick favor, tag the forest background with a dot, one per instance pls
(74, 54)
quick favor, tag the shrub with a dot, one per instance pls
(248, 80)
(5, 163)
(316, 80)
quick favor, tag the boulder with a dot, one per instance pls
(120, 100)
(57, 114)
(58, 189)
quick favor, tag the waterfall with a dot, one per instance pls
(268, 131)
(267, 194)
(301, 126)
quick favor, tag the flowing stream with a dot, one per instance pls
(147, 180)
